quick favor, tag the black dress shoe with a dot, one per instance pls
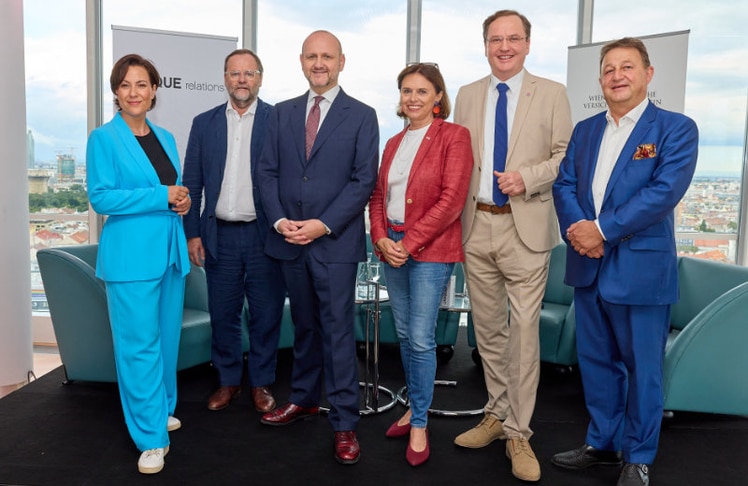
(634, 475)
(585, 457)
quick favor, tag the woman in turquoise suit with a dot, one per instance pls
(134, 178)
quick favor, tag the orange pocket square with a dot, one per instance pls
(645, 151)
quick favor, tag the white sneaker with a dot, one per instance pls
(173, 423)
(152, 460)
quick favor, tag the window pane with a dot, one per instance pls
(453, 37)
(715, 99)
(373, 37)
(55, 54)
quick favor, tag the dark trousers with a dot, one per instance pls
(240, 271)
(321, 296)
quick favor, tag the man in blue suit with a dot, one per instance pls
(317, 171)
(229, 236)
(624, 172)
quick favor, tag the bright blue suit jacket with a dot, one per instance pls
(639, 266)
(142, 236)
(204, 165)
(334, 185)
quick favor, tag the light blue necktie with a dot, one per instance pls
(500, 143)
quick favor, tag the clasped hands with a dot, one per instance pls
(179, 199)
(301, 232)
(394, 252)
(585, 238)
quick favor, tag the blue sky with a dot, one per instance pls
(373, 36)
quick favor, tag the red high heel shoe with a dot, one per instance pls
(396, 430)
(417, 458)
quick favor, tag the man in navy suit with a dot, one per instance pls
(624, 172)
(317, 171)
(229, 235)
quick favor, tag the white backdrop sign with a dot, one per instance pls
(668, 54)
(191, 69)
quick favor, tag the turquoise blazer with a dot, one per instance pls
(142, 236)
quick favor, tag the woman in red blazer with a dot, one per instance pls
(415, 227)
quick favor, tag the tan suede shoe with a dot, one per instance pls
(488, 430)
(524, 463)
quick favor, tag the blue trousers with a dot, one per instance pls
(146, 321)
(621, 350)
(415, 290)
(240, 271)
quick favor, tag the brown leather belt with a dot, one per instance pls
(493, 209)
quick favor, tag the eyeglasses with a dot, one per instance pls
(512, 40)
(247, 74)
(431, 64)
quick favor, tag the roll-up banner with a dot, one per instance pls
(191, 69)
(668, 54)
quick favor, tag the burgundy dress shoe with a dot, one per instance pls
(221, 398)
(263, 399)
(347, 450)
(417, 458)
(288, 413)
(396, 430)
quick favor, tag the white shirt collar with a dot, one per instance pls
(329, 95)
(515, 82)
(251, 111)
(630, 117)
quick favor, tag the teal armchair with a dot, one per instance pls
(707, 353)
(79, 313)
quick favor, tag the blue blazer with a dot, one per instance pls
(334, 185)
(204, 165)
(142, 236)
(650, 177)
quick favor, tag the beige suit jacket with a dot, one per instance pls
(540, 133)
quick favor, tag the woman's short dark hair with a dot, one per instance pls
(119, 72)
(431, 72)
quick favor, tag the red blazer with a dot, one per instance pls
(435, 195)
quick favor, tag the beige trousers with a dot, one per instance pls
(506, 282)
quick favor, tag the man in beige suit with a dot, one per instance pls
(508, 236)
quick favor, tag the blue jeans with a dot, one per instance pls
(415, 292)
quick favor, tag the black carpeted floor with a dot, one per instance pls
(54, 434)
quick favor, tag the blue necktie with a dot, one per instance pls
(500, 143)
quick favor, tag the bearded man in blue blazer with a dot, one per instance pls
(228, 237)
(624, 173)
(317, 171)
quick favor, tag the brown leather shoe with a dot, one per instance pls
(288, 413)
(263, 398)
(221, 398)
(347, 450)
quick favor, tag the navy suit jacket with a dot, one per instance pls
(204, 164)
(651, 175)
(334, 185)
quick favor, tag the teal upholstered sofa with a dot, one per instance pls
(78, 309)
(706, 360)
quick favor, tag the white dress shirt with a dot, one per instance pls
(614, 138)
(236, 202)
(488, 180)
